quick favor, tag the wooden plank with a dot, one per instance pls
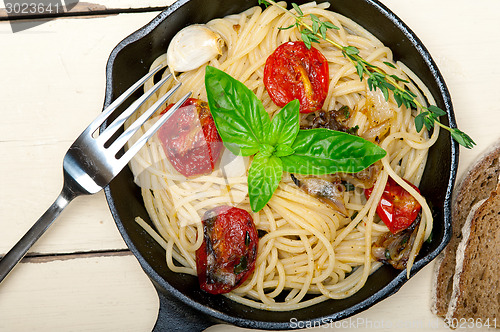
(53, 80)
(113, 294)
(60, 66)
(33, 9)
(80, 294)
(53, 84)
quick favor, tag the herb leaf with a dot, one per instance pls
(419, 121)
(283, 150)
(324, 151)
(297, 9)
(264, 177)
(285, 125)
(462, 138)
(240, 118)
(436, 110)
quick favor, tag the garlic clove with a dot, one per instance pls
(192, 47)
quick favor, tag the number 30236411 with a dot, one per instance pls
(462, 323)
(32, 8)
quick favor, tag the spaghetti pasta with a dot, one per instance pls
(309, 252)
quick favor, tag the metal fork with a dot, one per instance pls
(93, 161)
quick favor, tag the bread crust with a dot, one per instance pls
(476, 282)
(477, 184)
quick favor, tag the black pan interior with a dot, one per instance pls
(131, 59)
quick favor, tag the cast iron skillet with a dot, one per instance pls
(183, 306)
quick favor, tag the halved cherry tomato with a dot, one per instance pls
(397, 208)
(295, 72)
(190, 139)
(227, 255)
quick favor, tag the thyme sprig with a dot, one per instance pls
(377, 78)
(316, 31)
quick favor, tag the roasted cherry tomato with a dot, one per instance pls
(397, 208)
(295, 72)
(227, 255)
(190, 139)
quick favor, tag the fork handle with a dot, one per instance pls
(20, 249)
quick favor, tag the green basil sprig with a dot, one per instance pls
(279, 144)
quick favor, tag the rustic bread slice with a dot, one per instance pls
(476, 282)
(478, 183)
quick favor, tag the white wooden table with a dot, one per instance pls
(80, 275)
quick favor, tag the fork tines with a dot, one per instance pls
(113, 127)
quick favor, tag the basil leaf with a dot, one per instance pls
(283, 150)
(264, 177)
(240, 117)
(285, 125)
(266, 150)
(324, 151)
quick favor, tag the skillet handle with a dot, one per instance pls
(176, 316)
